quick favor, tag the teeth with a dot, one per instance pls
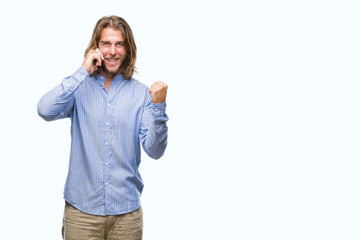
(112, 60)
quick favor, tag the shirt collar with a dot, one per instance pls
(101, 78)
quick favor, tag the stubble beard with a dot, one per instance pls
(107, 71)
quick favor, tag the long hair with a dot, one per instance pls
(128, 65)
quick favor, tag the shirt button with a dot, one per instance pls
(107, 124)
(106, 164)
(155, 109)
(106, 184)
(108, 104)
(158, 126)
(107, 143)
(70, 89)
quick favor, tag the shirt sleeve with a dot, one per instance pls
(59, 102)
(153, 129)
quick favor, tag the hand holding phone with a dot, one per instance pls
(93, 60)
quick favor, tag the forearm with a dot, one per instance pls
(154, 141)
(58, 103)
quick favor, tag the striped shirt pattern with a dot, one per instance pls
(106, 131)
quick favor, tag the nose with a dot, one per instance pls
(113, 50)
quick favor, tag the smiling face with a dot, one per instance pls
(112, 47)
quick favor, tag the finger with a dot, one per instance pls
(157, 85)
(92, 52)
(155, 89)
(153, 86)
(164, 85)
(161, 84)
(92, 55)
(101, 55)
(99, 60)
(98, 51)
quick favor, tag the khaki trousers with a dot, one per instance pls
(78, 225)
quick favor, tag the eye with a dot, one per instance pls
(105, 44)
(119, 44)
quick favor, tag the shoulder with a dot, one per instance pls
(135, 83)
(137, 86)
(139, 89)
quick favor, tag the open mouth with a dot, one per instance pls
(112, 60)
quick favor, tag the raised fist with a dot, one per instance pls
(158, 91)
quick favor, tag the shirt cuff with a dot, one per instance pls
(81, 74)
(159, 109)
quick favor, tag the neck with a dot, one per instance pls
(108, 76)
(108, 79)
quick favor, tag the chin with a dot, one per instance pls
(114, 70)
(110, 70)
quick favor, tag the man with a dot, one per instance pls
(111, 114)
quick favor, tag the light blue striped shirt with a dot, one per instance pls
(106, 131)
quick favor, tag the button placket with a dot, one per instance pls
(108, 145)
